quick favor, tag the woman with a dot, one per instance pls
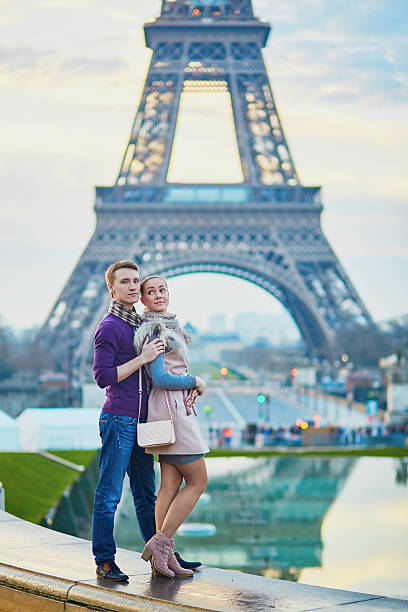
(184, 459)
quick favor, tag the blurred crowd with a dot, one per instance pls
(259, 436)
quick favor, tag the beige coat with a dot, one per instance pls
(189, 439)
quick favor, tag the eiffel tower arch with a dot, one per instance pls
(265, 229)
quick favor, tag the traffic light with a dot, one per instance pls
(261, 398)
(292, 375)
(223, 371)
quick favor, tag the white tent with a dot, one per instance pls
(59, 428)
(8, 433)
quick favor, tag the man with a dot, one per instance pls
(116, 368)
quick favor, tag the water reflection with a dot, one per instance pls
(267, 512)
(365, 532)
(401, 473)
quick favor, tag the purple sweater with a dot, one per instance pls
(113, 347)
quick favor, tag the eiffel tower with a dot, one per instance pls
(265, 229)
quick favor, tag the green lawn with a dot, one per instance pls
(33, 484)
(80, 457)
(211, 370)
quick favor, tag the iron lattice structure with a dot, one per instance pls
(265, 229)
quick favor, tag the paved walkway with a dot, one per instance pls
(43, 570)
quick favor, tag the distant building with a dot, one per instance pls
(190, 329)
(276, 329)
(210, 347)
(397, 404)
(218, 324)
(54, 380)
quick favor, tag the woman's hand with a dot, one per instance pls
(191, 397)
(200, 385)
(151, 349)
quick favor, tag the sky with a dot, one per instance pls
(71, 76)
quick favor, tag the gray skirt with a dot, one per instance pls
(179, 459)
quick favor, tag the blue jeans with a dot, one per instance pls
(120, 453)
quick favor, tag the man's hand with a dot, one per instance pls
(148, 354)
(151, 349)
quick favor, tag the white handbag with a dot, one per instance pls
(155, 433)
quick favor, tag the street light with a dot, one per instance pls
(316, 420)
(263, 399)
(292, 375)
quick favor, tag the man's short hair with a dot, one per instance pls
(118, 265)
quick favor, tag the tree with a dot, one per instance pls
(7, 344)
(365, 344)
(5, 369)
(20, 353)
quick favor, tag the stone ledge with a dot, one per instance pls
(121, 601)
(13, 600)
(44, 570)
(34, 582)
(26, 591)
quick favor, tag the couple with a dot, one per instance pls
(124, 343)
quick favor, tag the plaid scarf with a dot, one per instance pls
(130, 316)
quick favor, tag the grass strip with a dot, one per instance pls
(212, 371)
(80, 457)
(360, 452)
(33, 484)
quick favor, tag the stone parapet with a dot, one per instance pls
(43, 570)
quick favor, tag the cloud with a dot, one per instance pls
(24, 59)
(357, 69)
(32, 64)
(93, 65)
(329, 52)
(343, 80)
(284, 12)
(73, 72)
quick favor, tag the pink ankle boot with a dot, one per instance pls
(159, 547)
(175, 566)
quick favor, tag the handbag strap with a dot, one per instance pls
(140, 398)
(168, 404)
(140, 394)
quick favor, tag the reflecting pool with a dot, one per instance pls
(339, 522)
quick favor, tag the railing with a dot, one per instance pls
(211, 194)
(2, 498)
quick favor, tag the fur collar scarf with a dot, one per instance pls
(156, 328)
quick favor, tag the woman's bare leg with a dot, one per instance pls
(195, 475)
(171, 480)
